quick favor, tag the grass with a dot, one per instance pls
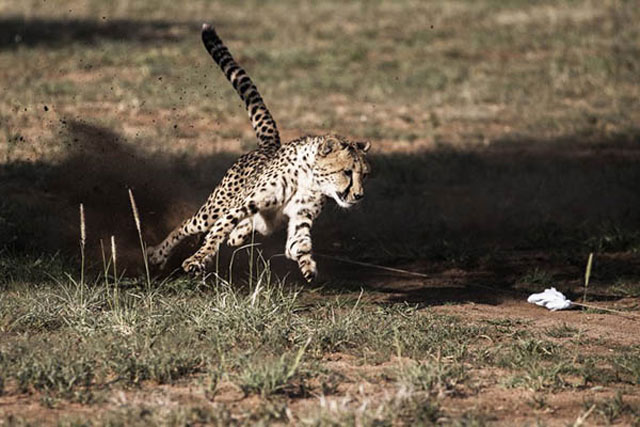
(628, 365)
(65, 341)
(435, 377)
(563, 331)
(504, 137)
(611, 410)
(94, 344)
(269, 377)
(537, 278)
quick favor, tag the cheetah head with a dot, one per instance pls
(341, 169)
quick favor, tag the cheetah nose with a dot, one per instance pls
(358, 196)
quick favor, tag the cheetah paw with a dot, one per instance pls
(310, 276)
(193, 266)
(155, 257)
(309, 271)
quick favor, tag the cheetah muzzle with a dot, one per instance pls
(271, 184)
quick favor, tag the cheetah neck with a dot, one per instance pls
(300, 177)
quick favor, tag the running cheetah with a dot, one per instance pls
(270, 184)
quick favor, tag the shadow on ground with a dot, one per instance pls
(482, 217)
(18, 31)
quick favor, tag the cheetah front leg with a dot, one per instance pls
(299, 245)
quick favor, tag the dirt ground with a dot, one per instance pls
(498, 403)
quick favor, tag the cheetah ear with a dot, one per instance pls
(327, 146)
(363, 145)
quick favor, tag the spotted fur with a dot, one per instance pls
(270, 184)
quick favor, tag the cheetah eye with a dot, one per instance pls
(348, 172)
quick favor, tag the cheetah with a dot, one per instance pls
(271, 184)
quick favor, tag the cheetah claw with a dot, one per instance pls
(193, 267)
(309, 276)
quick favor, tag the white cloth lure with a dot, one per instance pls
(551, 299)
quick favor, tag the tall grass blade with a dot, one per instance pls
(83, 242)
(587, 276)
(114, 257)
(136, 218)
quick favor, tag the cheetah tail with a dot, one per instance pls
(263, 124)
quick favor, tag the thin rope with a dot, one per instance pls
(379, 267)
(425, 276)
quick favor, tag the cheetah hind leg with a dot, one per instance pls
(196, 263)
(242, 233)
(159, 254)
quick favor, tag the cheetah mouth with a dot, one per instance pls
(341, 196)
(341, 200)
